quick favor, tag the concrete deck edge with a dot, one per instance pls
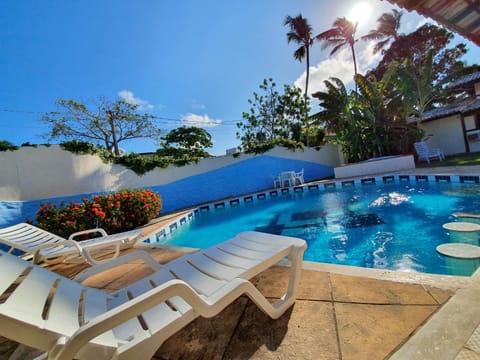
(447, 282)
(444, 335)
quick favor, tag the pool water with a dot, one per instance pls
(394, 226)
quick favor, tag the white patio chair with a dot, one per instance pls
(42, 245)
(277, 182)
(69, 320)
(299, 178)
(425, 154)
(287, 178)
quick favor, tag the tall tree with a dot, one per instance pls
(186, 143)
(388, 25)
(273, 119)
(414, 45)
(416, 84)
(360, 120)
(301, 33)
(342, 33)
(108, 125)
(425, 65)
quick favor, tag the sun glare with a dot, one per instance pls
(360, 13)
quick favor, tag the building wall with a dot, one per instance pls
(49, 172)
(445, 134)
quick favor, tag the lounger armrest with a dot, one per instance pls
(37, 256)
(90, 231)
(107, 265)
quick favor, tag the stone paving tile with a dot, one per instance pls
(474, 342)
(204, 338)
(273, 282)
(372, 332)
(440, 295)
(466, 354)
(366, 290)
(7, 347)
(306, 331)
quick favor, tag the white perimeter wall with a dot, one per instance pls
(47, 172)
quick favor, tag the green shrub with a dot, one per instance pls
(6, 145)
(140, 164)
(116, 212)
(79, 147)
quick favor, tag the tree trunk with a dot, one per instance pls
(114, 133)
(354, 65)
(306, 92)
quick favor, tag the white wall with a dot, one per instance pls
(373, 167)
(46, 172)
(445, 134)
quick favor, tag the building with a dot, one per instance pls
(456, 128)
(460, 16)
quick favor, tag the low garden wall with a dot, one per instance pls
(30, 175)
(375, 166)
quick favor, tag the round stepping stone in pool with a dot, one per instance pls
(459, 250)
(461, 226)
(466, 215)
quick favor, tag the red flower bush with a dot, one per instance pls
(116, 212)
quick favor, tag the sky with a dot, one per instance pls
(187, 62)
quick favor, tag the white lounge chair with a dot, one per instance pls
(425, 154)
(68, 320)
(42, 245)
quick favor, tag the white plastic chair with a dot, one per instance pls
(42, 245)
(287, 178)
(69, 320)
(299, 178)
(277, 182)
(425, 154)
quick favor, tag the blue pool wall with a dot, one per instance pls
(233, 178)
(242, 178)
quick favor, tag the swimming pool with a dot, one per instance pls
(393, 226)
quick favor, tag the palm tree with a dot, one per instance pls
(342, 33)
(386, 31)
(301, 34)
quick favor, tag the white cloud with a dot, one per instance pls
(130, 98)
(339, 66)
(200, 120)
(366, 58)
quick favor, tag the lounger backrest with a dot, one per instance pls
(421, 148)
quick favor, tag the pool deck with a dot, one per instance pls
(341, 313)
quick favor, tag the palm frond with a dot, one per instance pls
(338, 47)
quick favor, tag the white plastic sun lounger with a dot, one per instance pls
(425, 154)
(68, 320)
(43, 245)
